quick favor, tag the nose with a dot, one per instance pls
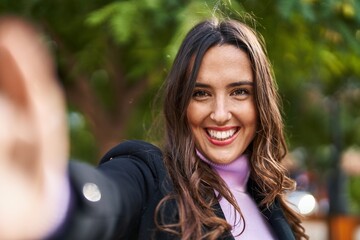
(220, 112)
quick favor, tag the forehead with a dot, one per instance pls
(225, 63)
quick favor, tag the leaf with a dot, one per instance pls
(285, 7)
(100, 16)
(333, 63)
(123, 22)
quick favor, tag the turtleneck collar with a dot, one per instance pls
(235, 174)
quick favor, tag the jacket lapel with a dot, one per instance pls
(273, 214)
(220, 214)
(276, 218)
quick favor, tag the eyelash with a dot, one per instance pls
(240, 91)
(200, 94)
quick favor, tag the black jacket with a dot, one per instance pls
(131, 179)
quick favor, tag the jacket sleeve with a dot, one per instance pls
(107, 202)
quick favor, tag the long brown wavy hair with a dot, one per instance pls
(194, 181)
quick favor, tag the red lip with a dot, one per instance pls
(222, 142)
(221, 128)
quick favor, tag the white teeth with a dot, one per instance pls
(221, 135)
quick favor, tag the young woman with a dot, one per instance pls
(218, 174)
(221, 102)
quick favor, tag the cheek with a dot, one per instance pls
(252, 118)
(193, 118)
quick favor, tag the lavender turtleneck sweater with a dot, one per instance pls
(236, 175)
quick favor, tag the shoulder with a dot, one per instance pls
(133, 148)
(143, 154)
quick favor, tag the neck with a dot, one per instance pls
(235, 173)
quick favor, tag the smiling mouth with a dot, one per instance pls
(221, 135)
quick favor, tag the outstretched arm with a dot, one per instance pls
(33, 134)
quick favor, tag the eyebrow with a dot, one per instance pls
(234, 84)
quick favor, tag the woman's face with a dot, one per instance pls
(222, 113)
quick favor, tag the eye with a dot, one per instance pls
(240, 92)
(199, 94)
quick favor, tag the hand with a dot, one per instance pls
(33, 133)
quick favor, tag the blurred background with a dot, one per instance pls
(113, 56)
